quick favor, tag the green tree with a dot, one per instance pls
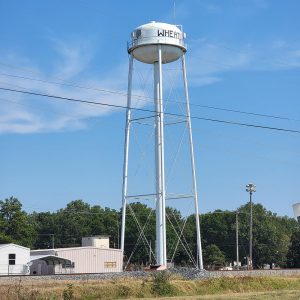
(213, 256)
(177, 238)
(218, 228)
(271, 235)
(139, 217)
(112, 225)
(16, 226)
(46, 225)
(73, 224)
(76, 220)
(293, 255)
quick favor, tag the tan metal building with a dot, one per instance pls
(94, 256)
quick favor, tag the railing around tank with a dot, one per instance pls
(156, 40)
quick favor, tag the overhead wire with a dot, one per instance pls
(145, 98)
(194, 117)
(151, 111)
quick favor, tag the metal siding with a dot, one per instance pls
(91, 259)
(22, 260)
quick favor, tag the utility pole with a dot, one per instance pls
(150, 249)
(118, 225)
(237, 238)
(250, 188)
(52, 240)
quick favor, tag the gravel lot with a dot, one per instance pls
(187, 273)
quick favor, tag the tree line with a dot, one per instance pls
(276, 239)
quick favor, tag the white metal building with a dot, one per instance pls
(14, 260)
(94, 256)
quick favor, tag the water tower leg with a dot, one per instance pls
(199, 247)
(126, 152)
(161, 255)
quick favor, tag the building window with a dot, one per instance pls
(110, 264)
(67, 265)
(12, 259)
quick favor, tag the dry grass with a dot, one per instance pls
(277, 295)
(219, 288)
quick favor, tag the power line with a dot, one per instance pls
(249, 113)
(71, 84)
(151, 111)
(147, 99)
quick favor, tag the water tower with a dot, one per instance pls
(157, 44)
(296, 209)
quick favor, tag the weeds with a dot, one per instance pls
(68, 293)
(123, 291)
(161, 284)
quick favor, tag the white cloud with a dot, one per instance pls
(74, 57)
(207, 61)
(203, 80)
(21, 113)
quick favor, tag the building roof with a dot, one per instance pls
(51, 259)
(73, 248)
(96, 236)
(15, 245)
(42, 250)
(87, 247)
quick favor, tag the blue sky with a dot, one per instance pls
(242, 55)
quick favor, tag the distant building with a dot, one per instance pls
(94, 256)
(48, 264)
(296, 209)
(17, 260)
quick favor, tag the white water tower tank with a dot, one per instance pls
(296, 209)
(145, 38)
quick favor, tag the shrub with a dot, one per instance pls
(68, 293)
(161, 284)
(123, 291)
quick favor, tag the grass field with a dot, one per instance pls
(160, 287)
(284, 294)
